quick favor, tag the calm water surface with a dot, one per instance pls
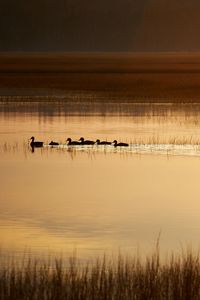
(98, 199)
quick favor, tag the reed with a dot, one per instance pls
(121, 278)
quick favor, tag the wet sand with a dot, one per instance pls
(134, 77)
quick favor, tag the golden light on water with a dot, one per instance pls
(92, 199)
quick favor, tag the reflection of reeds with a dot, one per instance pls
(93, 105)
(7, 147)
(123, 278)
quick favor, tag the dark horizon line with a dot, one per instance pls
(99, 52)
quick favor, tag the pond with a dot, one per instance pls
(99, 199)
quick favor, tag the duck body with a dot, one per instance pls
(53, 143)
(98, 142)
(120, 144)
(87, 142)
(73, 143)
(35, 144)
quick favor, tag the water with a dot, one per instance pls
(99, 199)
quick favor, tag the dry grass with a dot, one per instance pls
(168, 140)
(123, 278)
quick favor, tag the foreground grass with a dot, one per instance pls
(123, 278)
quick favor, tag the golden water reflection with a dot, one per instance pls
(54, 199)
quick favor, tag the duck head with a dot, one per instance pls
(69, 140)
(98, 142)
(32, 138)
(81, 139)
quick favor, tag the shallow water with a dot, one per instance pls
(99, 199)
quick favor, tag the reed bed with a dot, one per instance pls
(121, 278)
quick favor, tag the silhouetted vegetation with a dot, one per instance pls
(136, 78)
(123, 278)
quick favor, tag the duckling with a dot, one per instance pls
(102, 143)
(72, 143)
(53, 143)
(120, 144)
(87, 142)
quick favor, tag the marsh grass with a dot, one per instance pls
(120, 278)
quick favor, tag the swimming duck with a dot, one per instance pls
(120, 144)
(71, 143)
(87, 142)
(102, 143)
(53, 143)
(35, 144)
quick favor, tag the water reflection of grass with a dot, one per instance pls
(91, 105)
(123, 278)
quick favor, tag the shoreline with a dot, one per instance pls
(144, 78)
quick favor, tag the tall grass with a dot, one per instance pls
(122, 278)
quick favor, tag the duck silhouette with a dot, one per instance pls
(72, 143)
(35, 144)
(120, 144)
(87, 142)
(98, 142)
(52, 143)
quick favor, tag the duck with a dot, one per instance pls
(87, 142)
(102, 143)
(35, 143)
(72, 143)
(53, 143)
(120, 144)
